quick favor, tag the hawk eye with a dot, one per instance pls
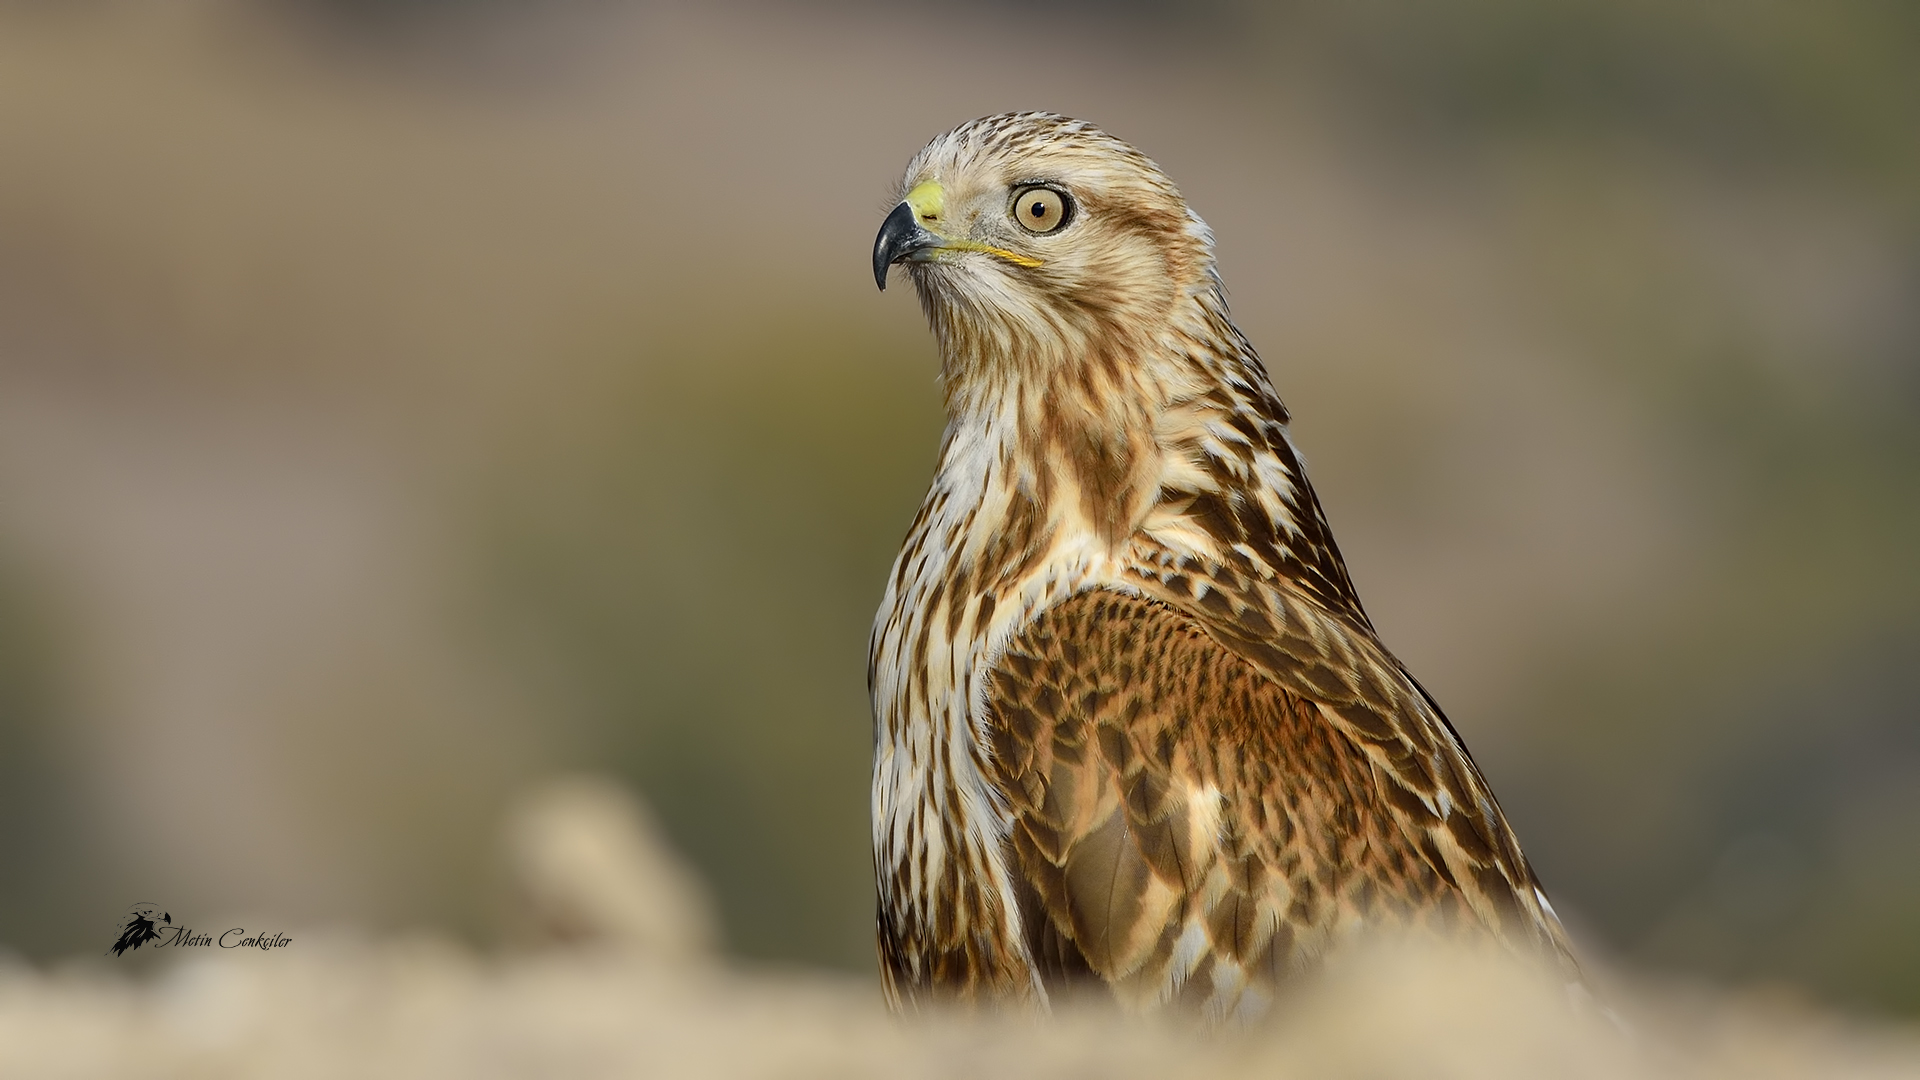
(1041, 209)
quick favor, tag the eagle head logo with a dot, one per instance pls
(141, 925)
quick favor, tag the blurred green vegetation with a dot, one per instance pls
(1767, 84)
(698, 554)
(44, 831)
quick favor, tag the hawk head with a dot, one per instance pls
(1030, 235)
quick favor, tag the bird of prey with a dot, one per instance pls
(1133, 731)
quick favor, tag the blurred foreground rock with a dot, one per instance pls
(589, 865)
(620, 988)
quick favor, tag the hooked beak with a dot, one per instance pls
(901, 238)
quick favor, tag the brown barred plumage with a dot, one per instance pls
(1132, 727)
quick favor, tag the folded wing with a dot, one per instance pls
(1187, 828)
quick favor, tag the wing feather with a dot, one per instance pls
(1191, 823)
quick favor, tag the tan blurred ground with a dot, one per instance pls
(394, 409)
(620, 993)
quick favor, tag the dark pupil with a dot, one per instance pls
(1039, 209)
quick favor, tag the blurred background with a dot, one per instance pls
(404, 401)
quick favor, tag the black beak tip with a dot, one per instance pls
(900, 236)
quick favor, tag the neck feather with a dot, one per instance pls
(1172, 428)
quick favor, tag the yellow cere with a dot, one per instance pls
(928, 200)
